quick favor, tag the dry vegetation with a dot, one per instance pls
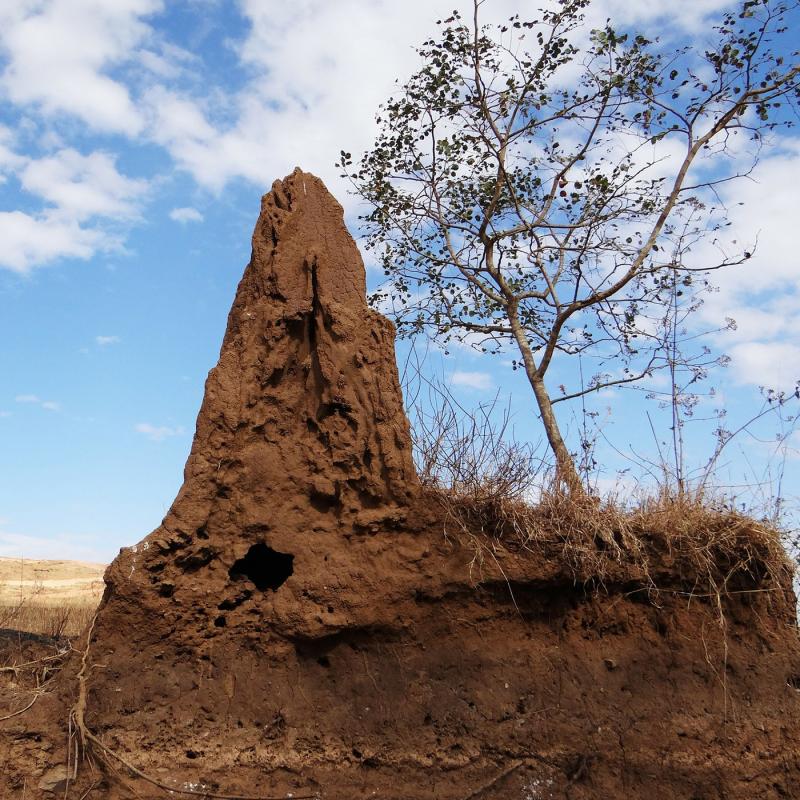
(51, 598)
(497, 492)
(67, 620)
(44, 607)
(657, 543)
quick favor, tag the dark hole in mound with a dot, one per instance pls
(265, 567)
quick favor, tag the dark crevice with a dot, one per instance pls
(190, 562)
(316, 308)
(323, 502)
(234, 602)
(315, 321)
(296, 328)
(359, 639)
(336, 407)
(275, 377)
(264, 567)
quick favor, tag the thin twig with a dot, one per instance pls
(504, 774)
(22, 710)
(15, 667)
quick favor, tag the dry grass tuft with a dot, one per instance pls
(56, 619)
(498, 494)
(661, 541)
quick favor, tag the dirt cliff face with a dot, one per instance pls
(300, 626)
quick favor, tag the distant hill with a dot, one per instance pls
(50, 582)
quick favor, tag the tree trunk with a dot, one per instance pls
(566, 474)
(565, 466)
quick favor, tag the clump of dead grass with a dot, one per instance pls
(498, 493)
(54, 620)
(657, 541)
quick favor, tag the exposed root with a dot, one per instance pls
(22, 710)
(17, 667)
(41, 680)
(494, 781)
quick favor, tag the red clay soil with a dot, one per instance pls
(299, 626)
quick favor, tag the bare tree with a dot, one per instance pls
(533, 184)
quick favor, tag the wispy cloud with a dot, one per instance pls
(184, 215)
(157, 433)
(33, 399)
(763, 294)
(34, 239)
(774, 365)
(104, 341)
(66, 546)
(80, 194)
(83, 186)
(112, 67)
(480, 381)
(59, 54)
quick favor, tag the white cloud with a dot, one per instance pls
(690, 15)
(81, 187)
(4, 415)
(68, 546)
(59, 53)
(774, 365)
(9, 159)
(166, 60)
(157, 433)
(184, 215)
(32, 240)
(104, 341)
(472, 380)
(763, 293)
(83, 194)
(33, 399)
(319, 71)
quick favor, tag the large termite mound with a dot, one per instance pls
(300, 624)
(301, 441)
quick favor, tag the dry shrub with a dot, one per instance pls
(470, 453)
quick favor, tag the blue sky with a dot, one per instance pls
(136, 137)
